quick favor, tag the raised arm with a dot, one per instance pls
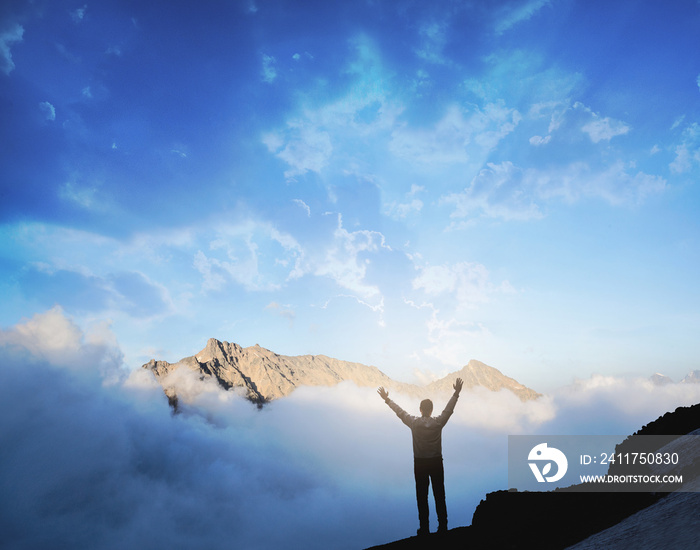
(450, 407)
(403, 415)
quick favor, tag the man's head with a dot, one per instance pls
(426, 407)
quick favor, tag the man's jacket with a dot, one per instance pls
(426, 430)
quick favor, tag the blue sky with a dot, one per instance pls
(404, 184)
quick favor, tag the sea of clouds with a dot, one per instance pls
(92, 455)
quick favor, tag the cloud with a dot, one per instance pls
(269, 73)
(498, 191)
(47, 110)
(604, 129)
(83, 196)
(78, 14)
(284, 311)
(620, 185)
(55, 339)
(103, 467)
(539, 140)
(434, 37)
(517, 12)
(566, 121)
(452, 293)
(308, 150)
(468, 282)
(253, 254)
(311, 140)
(508, 192)
(131, 292)
(451, 339)
(344, 260)
(688, 151)
(677, 122)
(138, 295)
(605, 404)
(9, 36)
(456, 136)
(303, 205)
(412, 204)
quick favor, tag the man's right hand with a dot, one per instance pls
(383, 393)
(458, 385)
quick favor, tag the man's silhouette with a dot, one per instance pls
(427, 454)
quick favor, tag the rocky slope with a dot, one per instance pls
(264, 375)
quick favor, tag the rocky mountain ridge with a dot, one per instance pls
(693, 377)
(264, 375)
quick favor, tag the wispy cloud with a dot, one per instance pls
(47, 110)
(303, 205)
(688, 151)
(308, 148)
(516, 12)
(456, 136)
(410, 205)
(433, 37)
(81, 195)
(497, 191)
(467, 282)
(310, 140)
(604, 129)
(451, 294)
(508, 192)
(79, 14)
(345, 261)
(9, 36)
(269, 72)
(284, 311)
(235, 255)
(128, 292)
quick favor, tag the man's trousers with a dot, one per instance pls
(430, 470)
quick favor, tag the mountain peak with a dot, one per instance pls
(660, 379)
(692, 377)
(475, 373)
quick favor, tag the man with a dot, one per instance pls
(427, 454)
